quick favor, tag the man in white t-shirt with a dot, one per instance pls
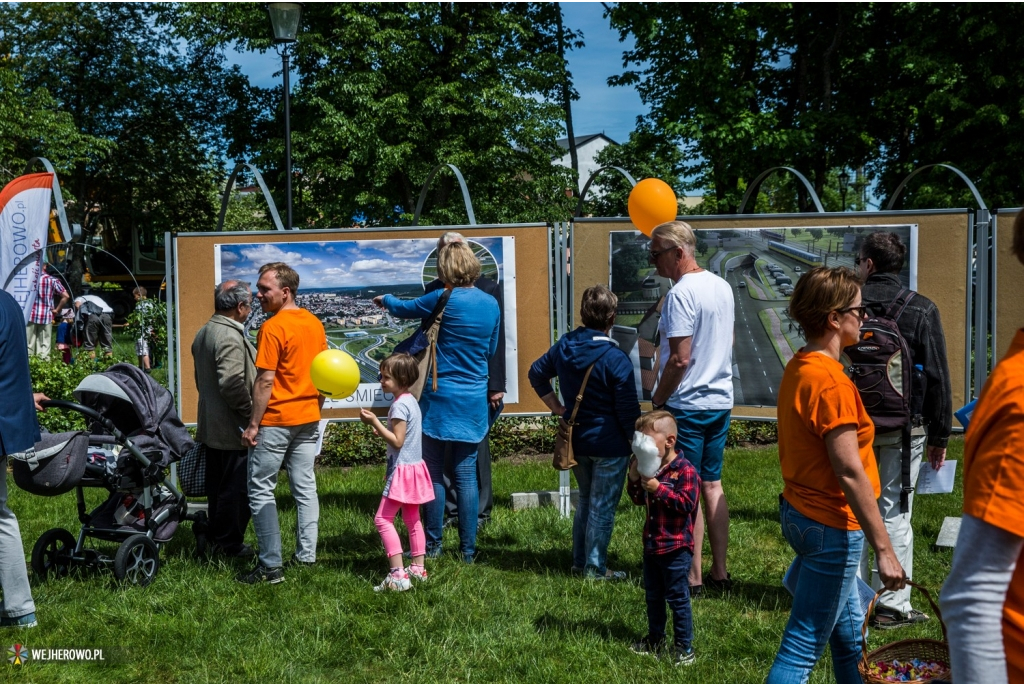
(98, 327)
(695, 381)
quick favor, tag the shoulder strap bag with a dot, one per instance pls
(422, 346)
(563, 458)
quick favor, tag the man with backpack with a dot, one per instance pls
(910, 401)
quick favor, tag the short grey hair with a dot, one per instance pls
(449, 238)
(677, 233)
(230, 294)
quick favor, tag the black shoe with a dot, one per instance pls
(683, 657)
(243, 552)
(723, 585)
(648, 646)
(432, 552)
(295, 562)
(887, 619)
(262, 574)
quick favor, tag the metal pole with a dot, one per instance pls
(287, 137)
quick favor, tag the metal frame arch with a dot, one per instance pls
(263, 186)
(915, 172)
(72, 232)
(754, 187)
(462, 185)
(586, 186)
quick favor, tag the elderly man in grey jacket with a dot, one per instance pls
(225, 367)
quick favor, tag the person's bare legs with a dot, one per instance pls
(698, 542)
(718, 527)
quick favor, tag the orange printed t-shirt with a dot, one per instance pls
(994, 480)
(815, 398)
(287, 343)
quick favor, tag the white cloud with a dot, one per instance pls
(263, 254)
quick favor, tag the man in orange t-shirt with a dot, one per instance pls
(984, 594)
(285, 417)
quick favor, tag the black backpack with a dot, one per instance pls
(881, 367)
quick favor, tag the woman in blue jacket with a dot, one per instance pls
(604, 423)
(455, 416)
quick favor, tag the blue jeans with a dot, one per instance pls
(826, 606)
(463, 456)
(667, 579)
(600, 481)
(701, 437)
(294, 448)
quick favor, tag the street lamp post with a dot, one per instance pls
(844, 185)
(284, 19)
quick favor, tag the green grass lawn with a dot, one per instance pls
(517, 616)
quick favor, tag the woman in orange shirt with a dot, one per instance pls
(828, 506)
(983, 597)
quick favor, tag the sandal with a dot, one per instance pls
(723, 585)
(887, 619)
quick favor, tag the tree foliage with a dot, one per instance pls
(883, 88)
(388, 91)
(148, 113)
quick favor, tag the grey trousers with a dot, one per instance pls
(889, 455)
(294, 449)
(17, 599)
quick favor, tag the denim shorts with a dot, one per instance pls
(700, 435)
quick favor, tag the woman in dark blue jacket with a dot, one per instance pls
(604, 423)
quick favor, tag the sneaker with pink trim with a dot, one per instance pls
(396, 581)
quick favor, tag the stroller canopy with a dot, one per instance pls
(140, 407)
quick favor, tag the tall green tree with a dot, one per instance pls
(387, 91)
(119, 74)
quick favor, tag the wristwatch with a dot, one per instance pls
(655, 405)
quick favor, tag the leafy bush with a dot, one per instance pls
(354, 444)
(57, 381)
(149, 320)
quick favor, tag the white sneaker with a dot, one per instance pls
(417, 572)
(397, 582)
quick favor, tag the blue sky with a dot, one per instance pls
(600, 108)
(339, 263)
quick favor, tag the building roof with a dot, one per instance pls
(583, 140)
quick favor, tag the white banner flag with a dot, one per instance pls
(24, 217)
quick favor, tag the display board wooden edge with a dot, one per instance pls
(937, 259)
(1009, 285)
(194, 283)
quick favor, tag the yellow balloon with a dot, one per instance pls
(652, 202)
(335, 374)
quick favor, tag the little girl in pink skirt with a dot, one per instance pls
(407, 484)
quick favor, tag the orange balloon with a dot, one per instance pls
(652, 202)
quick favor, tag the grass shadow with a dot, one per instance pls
(614, 630)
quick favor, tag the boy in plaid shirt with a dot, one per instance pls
(671, 497)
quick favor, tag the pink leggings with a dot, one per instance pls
(385, 522)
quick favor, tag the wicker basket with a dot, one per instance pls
(905, 650)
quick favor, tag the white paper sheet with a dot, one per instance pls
(932, 482)
(320, 435)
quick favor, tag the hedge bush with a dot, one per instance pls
(354, 444)
(57, 380)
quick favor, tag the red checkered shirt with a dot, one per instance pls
(671, 509)
(42, 308)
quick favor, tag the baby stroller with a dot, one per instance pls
(134, 437)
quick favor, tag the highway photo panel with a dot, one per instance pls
(762, 265)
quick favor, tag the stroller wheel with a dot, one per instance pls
(137, 560)
(52, 553)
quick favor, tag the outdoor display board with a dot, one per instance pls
(762, 257)
(342, 270)
(1009, 285)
